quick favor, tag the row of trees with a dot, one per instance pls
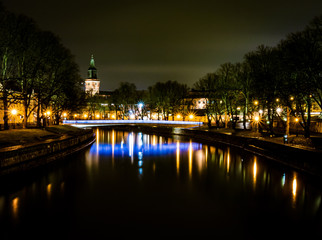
(35, 69)
(165, 98)
(289, 74)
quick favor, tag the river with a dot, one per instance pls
(132, 184)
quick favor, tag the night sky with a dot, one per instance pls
(144, 42)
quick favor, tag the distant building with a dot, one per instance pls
(92, 83)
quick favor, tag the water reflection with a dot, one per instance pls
(133, 169)
(15, 203)
(255, 170)
(294, 189)
(178, 157)
(49, 190)
(191, 158)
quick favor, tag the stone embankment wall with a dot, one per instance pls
(305, 160)
(21, 158)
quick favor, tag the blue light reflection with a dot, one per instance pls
(140, 150)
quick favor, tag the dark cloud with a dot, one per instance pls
(148, 41)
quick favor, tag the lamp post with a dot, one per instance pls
(140, 105)
(256, 122)
(48, 115)
(14, 113)
(296, 123)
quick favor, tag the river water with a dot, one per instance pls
(132, 184)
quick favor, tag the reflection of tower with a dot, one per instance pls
(92, 83)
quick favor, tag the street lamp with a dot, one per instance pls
(256, 119)
(279, 110)
(14, 113)
(140, 105)
(296, 123)
(48, 115)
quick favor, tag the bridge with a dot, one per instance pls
(97, 123)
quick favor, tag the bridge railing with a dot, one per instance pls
(91, 122)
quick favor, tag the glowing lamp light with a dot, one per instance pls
(256, 119)
(14, 111)
(48, 112)
(191, 116)
(296, 119)
(279, 110)
(255, 102)
(140, 105)
(97, 116)
(65, 114)
(178, 116)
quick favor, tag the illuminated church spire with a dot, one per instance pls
(92, 71)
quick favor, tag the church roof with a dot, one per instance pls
(92, 63)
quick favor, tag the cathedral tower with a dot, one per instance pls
(92, 83)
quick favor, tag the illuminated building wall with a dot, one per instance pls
(16, 111)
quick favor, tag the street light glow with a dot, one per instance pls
(14, 112)
(141, 105)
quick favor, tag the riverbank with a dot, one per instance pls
(23, 149)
